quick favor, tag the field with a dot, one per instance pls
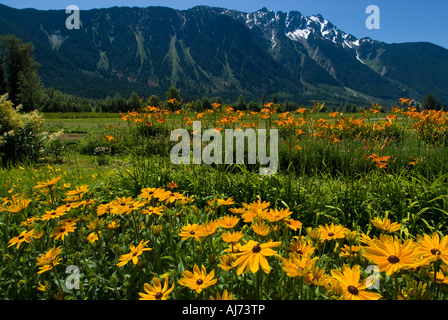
(356, 210)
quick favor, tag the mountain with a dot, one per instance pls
(207, 51)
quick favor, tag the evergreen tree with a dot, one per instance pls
(206, 104)
(134, 101)
(253, 106)
(241, 103)
(430, 102)
(263, 100)
(23, 83)
(173, 93)
(154, 101)
(3, 88)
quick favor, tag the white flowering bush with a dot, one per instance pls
(21, 136)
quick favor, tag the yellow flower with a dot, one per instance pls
(24, 236)
(301, 247)
(157, 291)
(334, 289)
(298, 265)
(350, 251)
(114, 224)
(62, 230)
(48, 260)
(222, 202)
(314, 234)
(190, 231)
(92, 237)
(117, 204)
(432, 248)
(78, 193)
(94, 223)
(440, 277)
(18, 205)
(354, 289)
(390, 254)
(43, 287)
(28, 221)
(260, 228)
(150, 193)
(275, 215)
(225, 296)
(49, 184)
(126, 206)
(198, 280)
(103, 209)
(53, 214)
(293, 224)
(386, 225)
(317, 277)
(208, 228)
(68, 221)
(227, 262)
(228, 222)
(156, 229)
(153, 210)
(134, 254)
(170, 197)
(332, 231)
(237, 210)
(253, 255)
(255, 210)
(232, 237)
(68, 206)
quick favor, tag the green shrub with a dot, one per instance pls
(21, 136)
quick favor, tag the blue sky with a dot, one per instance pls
(400, 20)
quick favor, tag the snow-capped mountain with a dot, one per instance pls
(207, 51)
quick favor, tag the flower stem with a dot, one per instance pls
(396, 285)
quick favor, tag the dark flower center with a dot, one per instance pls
(199, 282)
(393, 259)
(299, 251)
(53, 213)
(62, 229)
(353, 290)
(256, 249)
(330, 234)
(192, 232)
(435, 251)
(122, 204)
(158, 295)
(21, 237)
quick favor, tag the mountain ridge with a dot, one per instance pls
(210, 51)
